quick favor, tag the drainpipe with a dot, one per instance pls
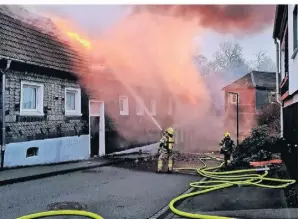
(3, 112)
(277, 87)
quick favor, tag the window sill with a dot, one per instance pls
(26, 113)
(72, 114)
(123, 114)
(294, 53)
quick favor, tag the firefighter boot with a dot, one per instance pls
(160, 165)
(170, 164)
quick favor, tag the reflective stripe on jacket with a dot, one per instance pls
(167, 142)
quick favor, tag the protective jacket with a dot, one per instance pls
(227, 145)
(166, 143)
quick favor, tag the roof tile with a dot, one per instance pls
(23, 42)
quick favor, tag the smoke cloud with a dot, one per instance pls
(222, 18)
(150, 54)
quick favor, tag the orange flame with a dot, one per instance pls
(66, 29)
(76, 36)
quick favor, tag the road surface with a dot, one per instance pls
(110, 191)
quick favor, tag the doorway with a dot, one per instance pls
(96, 128)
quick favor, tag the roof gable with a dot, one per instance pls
(245, 81)
(258, 79)
(25, 43)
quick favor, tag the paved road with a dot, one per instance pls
(241, 202)
(112, 192)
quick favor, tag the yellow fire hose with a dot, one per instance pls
(221, 180)
(61, 213)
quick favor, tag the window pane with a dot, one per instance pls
(121, 104)
(70, 100)
(29, 97)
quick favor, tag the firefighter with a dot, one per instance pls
(226, 147)
(165, 150)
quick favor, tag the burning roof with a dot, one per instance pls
(26, 43)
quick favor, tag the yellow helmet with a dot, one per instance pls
(226, 134)
(170, 130)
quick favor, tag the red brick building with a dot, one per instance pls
(255, 89)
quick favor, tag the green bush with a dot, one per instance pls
(259, 146)
(270, 116)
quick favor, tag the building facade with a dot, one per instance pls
(255, 90)
(285, 35)
(50, 117)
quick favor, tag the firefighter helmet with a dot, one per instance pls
(170, 130)
(226, 134)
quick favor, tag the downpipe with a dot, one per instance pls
(3, 112)
(277, 87)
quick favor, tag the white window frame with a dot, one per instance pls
(231, 98)
(124, 100)
(39, 111)
(139, 109)
(77, 111)
(153, 107)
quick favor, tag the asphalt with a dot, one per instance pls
(110, 191)
(240, 202)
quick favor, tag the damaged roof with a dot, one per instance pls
(25, 43)
(256, 79)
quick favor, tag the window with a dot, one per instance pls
(233, 98)
(32, 97)
(295, 28)
(170, 105)
(32, 152)
(123, 106)
(286, 52)
(153, 107)
(139, 108)
(73, 102)
(272, 97)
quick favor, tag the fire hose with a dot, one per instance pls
(220, 180)
(62, 213)
(225, 179)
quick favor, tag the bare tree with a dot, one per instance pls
(263, 62)
(229, 56)
(206, 67)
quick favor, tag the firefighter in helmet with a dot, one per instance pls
(165, 150)
(226, 147)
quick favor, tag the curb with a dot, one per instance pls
(55, 173)
(166, 212)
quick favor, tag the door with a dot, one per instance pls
(94, 135)
(96, 128)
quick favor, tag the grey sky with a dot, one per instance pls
(90, 17)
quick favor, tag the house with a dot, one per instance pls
(255, 90)
(285, 34)
(46, 118)
(50, 117)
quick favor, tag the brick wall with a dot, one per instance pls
(247, 111)
(54, 123)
